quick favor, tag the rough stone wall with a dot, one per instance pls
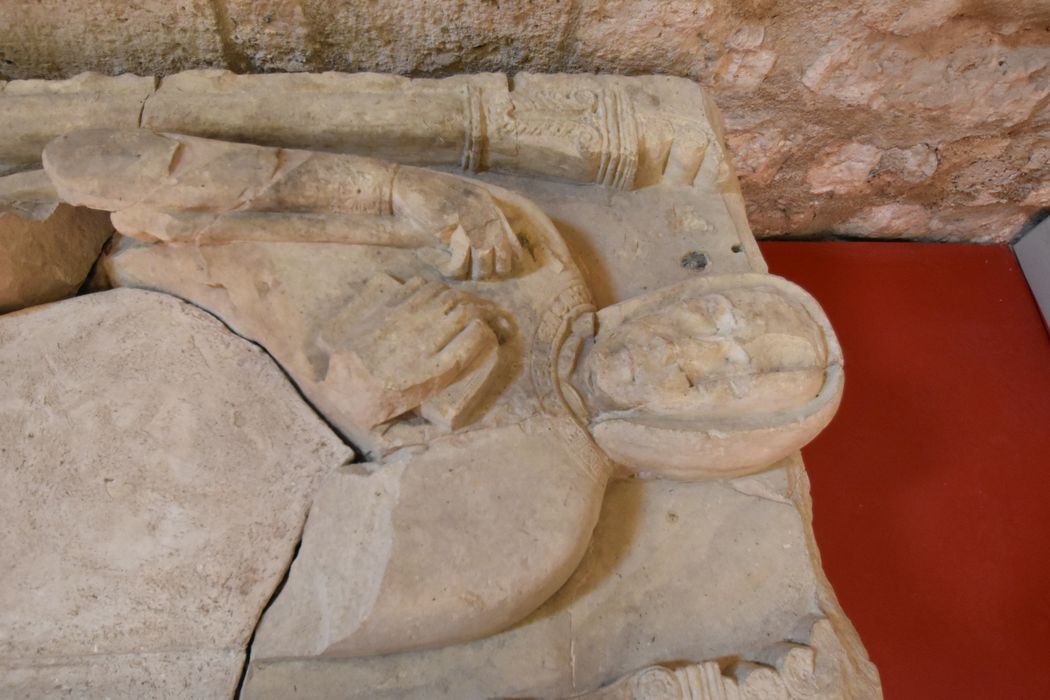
(885, 118)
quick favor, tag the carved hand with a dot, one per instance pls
(398, 344)
(463, 216)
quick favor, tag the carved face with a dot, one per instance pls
(718, 354)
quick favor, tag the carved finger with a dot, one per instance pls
(459, 261)
(413, 284)
(445, 234)
(446, 300)
(415, 295)
(483, 263)
(492, 316)
(517, 249)
(464, 346)
(448, 326)
(505, 254)
(427, 294)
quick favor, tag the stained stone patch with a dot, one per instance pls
(47, 247)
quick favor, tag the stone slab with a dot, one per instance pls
(162, 675)
(155, 473)
(676, 572)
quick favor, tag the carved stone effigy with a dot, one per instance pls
(576, 394)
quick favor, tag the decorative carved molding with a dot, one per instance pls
(784, 671)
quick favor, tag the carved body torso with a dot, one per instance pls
(280, 294)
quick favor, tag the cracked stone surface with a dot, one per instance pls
(155, 474)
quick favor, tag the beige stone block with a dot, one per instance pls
(155, 477)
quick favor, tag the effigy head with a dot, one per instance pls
(718, 376)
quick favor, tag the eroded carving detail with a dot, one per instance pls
(785, 671)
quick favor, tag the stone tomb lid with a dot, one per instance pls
(676, 573)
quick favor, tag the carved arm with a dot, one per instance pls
(179, 188)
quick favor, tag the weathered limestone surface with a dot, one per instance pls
(676, 571)
(155, 472)
(885, 119)
(166, 675)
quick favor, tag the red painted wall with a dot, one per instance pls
(932, 484)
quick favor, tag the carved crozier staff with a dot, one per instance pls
(607, 130)
(615, 131)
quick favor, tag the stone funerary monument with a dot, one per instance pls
(357, 386)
